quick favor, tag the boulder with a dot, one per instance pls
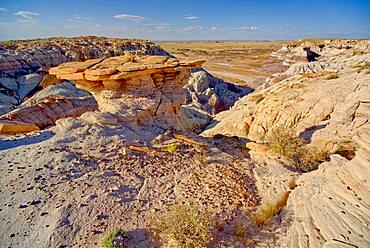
(16, 127)
(27, 84)
(54, 102)
(212, 94)
(137, 90)
(193, 118)
(9, 83)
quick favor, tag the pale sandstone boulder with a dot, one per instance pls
(102, 118)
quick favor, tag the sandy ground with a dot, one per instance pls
(69, 187)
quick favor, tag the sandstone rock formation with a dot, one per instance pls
(328, 104)
(23, 57)
(134, 89)
(335, 56)
(212, 94)
(298, 102)
(22, 62)
(330, 207)
(328, 49)
(47, 106)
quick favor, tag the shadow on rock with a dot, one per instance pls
(12, 142)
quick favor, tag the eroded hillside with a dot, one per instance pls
(110, 144)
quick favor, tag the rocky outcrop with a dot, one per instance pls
(212, 94)
(23, 57)
(328, 107)
(22, 63)
(330, 207)
(298, 102)
(328, 49)
(335, 56)
(47, 106)
(133, 89)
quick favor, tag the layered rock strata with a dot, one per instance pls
(23, 57)
(330, 207)
(303, 103)
(46, 107)
(133, 89)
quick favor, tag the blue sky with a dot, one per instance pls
(185, 20)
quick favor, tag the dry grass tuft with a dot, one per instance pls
(346, 149)
(363, 66)
(292, 184)
(182, 226)
(257, 98)
(284, 142)
(324, 75)
(263, 215)
(239, 231)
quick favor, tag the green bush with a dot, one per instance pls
(182, 226)
(114, 239)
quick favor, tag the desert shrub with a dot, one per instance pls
(346, 149)
(239, 231)
(305, 158)
(292, 184)
(182, 226)
(171, 147)
(362, 66)
(263, 215)
(114, 239)
(324, 74)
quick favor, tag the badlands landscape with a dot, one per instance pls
(128, 143)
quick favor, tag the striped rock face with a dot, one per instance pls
(134, 89)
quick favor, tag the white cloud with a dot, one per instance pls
(191, 17)
(3, 9)
(26, 14)
(128, 17)
(80, 17)
(157, 24)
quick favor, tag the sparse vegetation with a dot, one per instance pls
(292, 184)
(114, 239)
(171, 147)
(324, 75)
(257, 98)
(284, 142)
(240, 231)
(346, 149)
(363, 66)
(263, 215)
(182, 226)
